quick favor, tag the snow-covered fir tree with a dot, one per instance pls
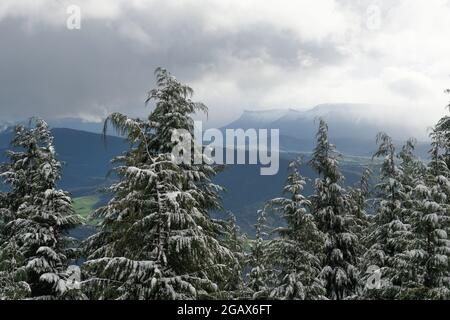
(413, 177)
(431, 219)
(442, 132)
(390, 234)
(295, 255)
(12, 287)
(359, 195)
(330, 209)
(156, 240)
(37, 216)
(12, 278)
(258, 276)
(412, 169)
(429, 251)
(173, 112)
(361, 206)
(235, 241)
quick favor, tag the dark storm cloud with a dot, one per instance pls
(108, 65)
(236, 55)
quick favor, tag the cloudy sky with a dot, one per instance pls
(235, 54)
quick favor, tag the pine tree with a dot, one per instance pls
(330, 207)
(157, 240)
(258, 277)
(295, 254)
(37, 215)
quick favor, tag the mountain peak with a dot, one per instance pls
(342, 107)
(258, 118)
(345, 120)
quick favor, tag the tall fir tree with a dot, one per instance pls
(12, 277)
(330, 207)
(411, 167)
(360, 206)
(442, 130)
(157, 240)
(258, 277)
(429, 251)
(359, 196)
(295, 255)
(235, 240)
(413, 177)
(37, 216)
(390, 234)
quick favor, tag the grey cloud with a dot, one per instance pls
(53, 72)
(408, 88)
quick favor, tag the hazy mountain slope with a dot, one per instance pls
(352, 128)
(77, 124)
(68, 123)
(345, 121)
(87, 162)
(258, 119)
(85, 156)
(247, 191)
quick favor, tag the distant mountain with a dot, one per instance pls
(87, 162)
(86, 158)
(247, 191)
(259, 119)
(352, 127)
(67, 123)
(346, 121)
(77, 124)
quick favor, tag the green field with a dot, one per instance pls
(85, 206)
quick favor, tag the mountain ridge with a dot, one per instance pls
(345, 120)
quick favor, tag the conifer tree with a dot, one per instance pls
(330, 207)
(391, 234)
(157, 240)
(37, 216)
(413, 176)
(12, 279)
(235, 241)
(258, 277)
(429, 251)
(173, 113)
(296, 254)
(359, 206)
(442, 130)
(12, 286)
(359, 195)
(412, 169)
